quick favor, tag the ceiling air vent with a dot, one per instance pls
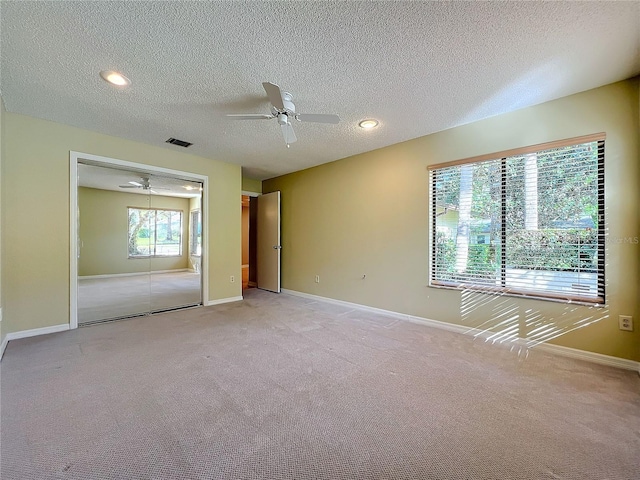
(180, 143)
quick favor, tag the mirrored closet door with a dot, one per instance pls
(139, 243)
(175, 232)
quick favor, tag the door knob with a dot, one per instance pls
(277, 247)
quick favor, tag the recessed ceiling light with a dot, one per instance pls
(115, 78)
(368, 124)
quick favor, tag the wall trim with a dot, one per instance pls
(223, 300)
(3, 339)
(132, 274)
(492, 337)
(589, 356)
(34, 332)
(3, 346)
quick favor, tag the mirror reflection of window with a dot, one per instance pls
(196, 233)
(155, 232)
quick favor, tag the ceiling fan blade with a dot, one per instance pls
(249, 116)
(288, 133)
(129, 186)
(136, 184)
(274, 94)
(317, 118)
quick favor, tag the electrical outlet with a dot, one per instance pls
(625, 322)
(317, 278)
(232, 279)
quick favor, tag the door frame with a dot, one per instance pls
(246, 193)
(77, 157)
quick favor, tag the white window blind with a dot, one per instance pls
(528, 222)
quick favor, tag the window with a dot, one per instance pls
(196, 234)
(526, 222)
(154, 232)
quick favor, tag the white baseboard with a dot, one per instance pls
(224, 300)
(37, 331)
(589, 356)
(487, 335)
(31, 333)
(3, 339)
(3, 346)
(412, 318)
(133, 274)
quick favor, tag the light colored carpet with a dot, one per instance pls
(279, 387)
(117, 297)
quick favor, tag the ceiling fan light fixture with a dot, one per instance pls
(284, 111)
(115, 78)
(283, 119)
(368, 124)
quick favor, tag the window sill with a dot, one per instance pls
(144, 257)
(510, 292)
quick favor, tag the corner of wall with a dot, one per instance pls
(340, 230)
(251, 185)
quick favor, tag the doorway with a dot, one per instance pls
(137, 245)
(249, 229)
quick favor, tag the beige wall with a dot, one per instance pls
(104, 228)
(251, 185)
(2, 143)
(35, 188)
(368, 215)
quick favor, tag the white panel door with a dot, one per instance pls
(268, 251)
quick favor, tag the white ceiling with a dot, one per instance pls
(107, 178)
(418, 67)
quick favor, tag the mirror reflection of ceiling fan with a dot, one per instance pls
(143, 184)
(283, 109)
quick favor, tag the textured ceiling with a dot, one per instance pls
(418, 67)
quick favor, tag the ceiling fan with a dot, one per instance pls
(143, 184)
(283, 109)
